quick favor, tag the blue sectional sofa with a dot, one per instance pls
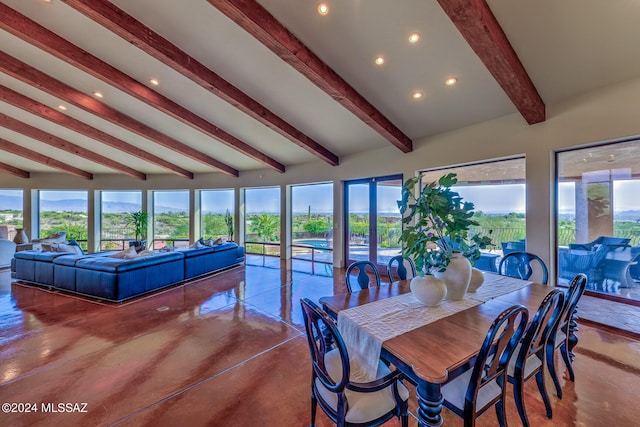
(116, 279)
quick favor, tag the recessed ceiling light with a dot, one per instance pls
(62, 107)
(414, 37)
(418, 94)
(154, 82)
(47, 1)
(451, 81)
(323, 9)
(379, 60)
(98, 94)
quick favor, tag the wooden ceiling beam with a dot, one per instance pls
(41, 158)
(27, 74)
(116, 20)
(14, 170)
(258, 22)
(62, 144)
(483, 33)
(34, 107)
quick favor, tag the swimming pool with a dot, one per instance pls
(316, 243)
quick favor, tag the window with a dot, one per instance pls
(115, 227)
(10, 213)
(498, 191)
(598, 217)
(217, 213)
(170, 218)
(262, 220)
(312, 222)
(64, 211)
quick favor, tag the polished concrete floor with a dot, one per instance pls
(228, 350)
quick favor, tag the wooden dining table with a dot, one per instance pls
(437, 352)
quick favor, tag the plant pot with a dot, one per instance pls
(429, 290)
(477, 279)
(139, 245)
(456, 277)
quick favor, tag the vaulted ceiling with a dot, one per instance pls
(245, 84)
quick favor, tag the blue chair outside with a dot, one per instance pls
(519, 265)
(363, 278)
(574, 261)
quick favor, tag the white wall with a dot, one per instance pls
(603, 115)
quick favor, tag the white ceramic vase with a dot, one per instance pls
(429, 290)
(477, 279)
(456, 277)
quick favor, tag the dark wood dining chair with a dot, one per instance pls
(363, 278)
(528, 359)
(559, 338)
(520, 265)
(400, 264)
(348, 403)
(483, 386)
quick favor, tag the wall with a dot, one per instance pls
(603, 115)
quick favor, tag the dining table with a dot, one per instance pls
(440, 342)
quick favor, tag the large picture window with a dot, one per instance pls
(217, 213)
(115, 228)
(262, 220)
(11, 203)
(64, 211)
(170, 218)
(498, 191)
(312, 222)
(598, 217)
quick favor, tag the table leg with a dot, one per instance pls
(429, 404)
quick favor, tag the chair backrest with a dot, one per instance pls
(572, 296)
(321, 331)
(539, 330)
(363, 277)
(401, 268)
(495, 354)
(520, 265)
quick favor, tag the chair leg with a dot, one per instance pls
(404, 418)
(564, 350)
(543, 392)
(314, 405)
(500, 413)
(518, 394)
(551, 364)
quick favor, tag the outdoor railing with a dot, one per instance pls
(324, 255)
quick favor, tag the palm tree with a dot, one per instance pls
(265, 226)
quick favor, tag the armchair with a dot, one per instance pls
(613, 242)
(574, 261)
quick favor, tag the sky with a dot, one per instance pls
(509, 198)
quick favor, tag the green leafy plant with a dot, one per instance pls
(139, 220)
(437, 223)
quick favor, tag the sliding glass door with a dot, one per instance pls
(373, 221)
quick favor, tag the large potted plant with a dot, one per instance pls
(139, 220)
(436, 232)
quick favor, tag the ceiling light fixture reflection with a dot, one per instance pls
(414, 37)
(154, 82)
(98, 94)
(451, 81)
(379, 60)
(323, 9)
(418, 94)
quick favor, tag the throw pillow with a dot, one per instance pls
(74, 243)
(210, 241)
(63, 247)
(196, 245)
(131, 251)
(220, 241)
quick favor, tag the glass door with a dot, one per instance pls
(373, 221)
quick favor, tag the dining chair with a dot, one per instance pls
(363, 278)
(559, 338)
(520, 265)
(405, 269)
(483, 386)
(346, 402)
(528, 359)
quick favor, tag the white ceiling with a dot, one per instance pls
(568, 48)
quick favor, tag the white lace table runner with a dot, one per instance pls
(366, 327)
